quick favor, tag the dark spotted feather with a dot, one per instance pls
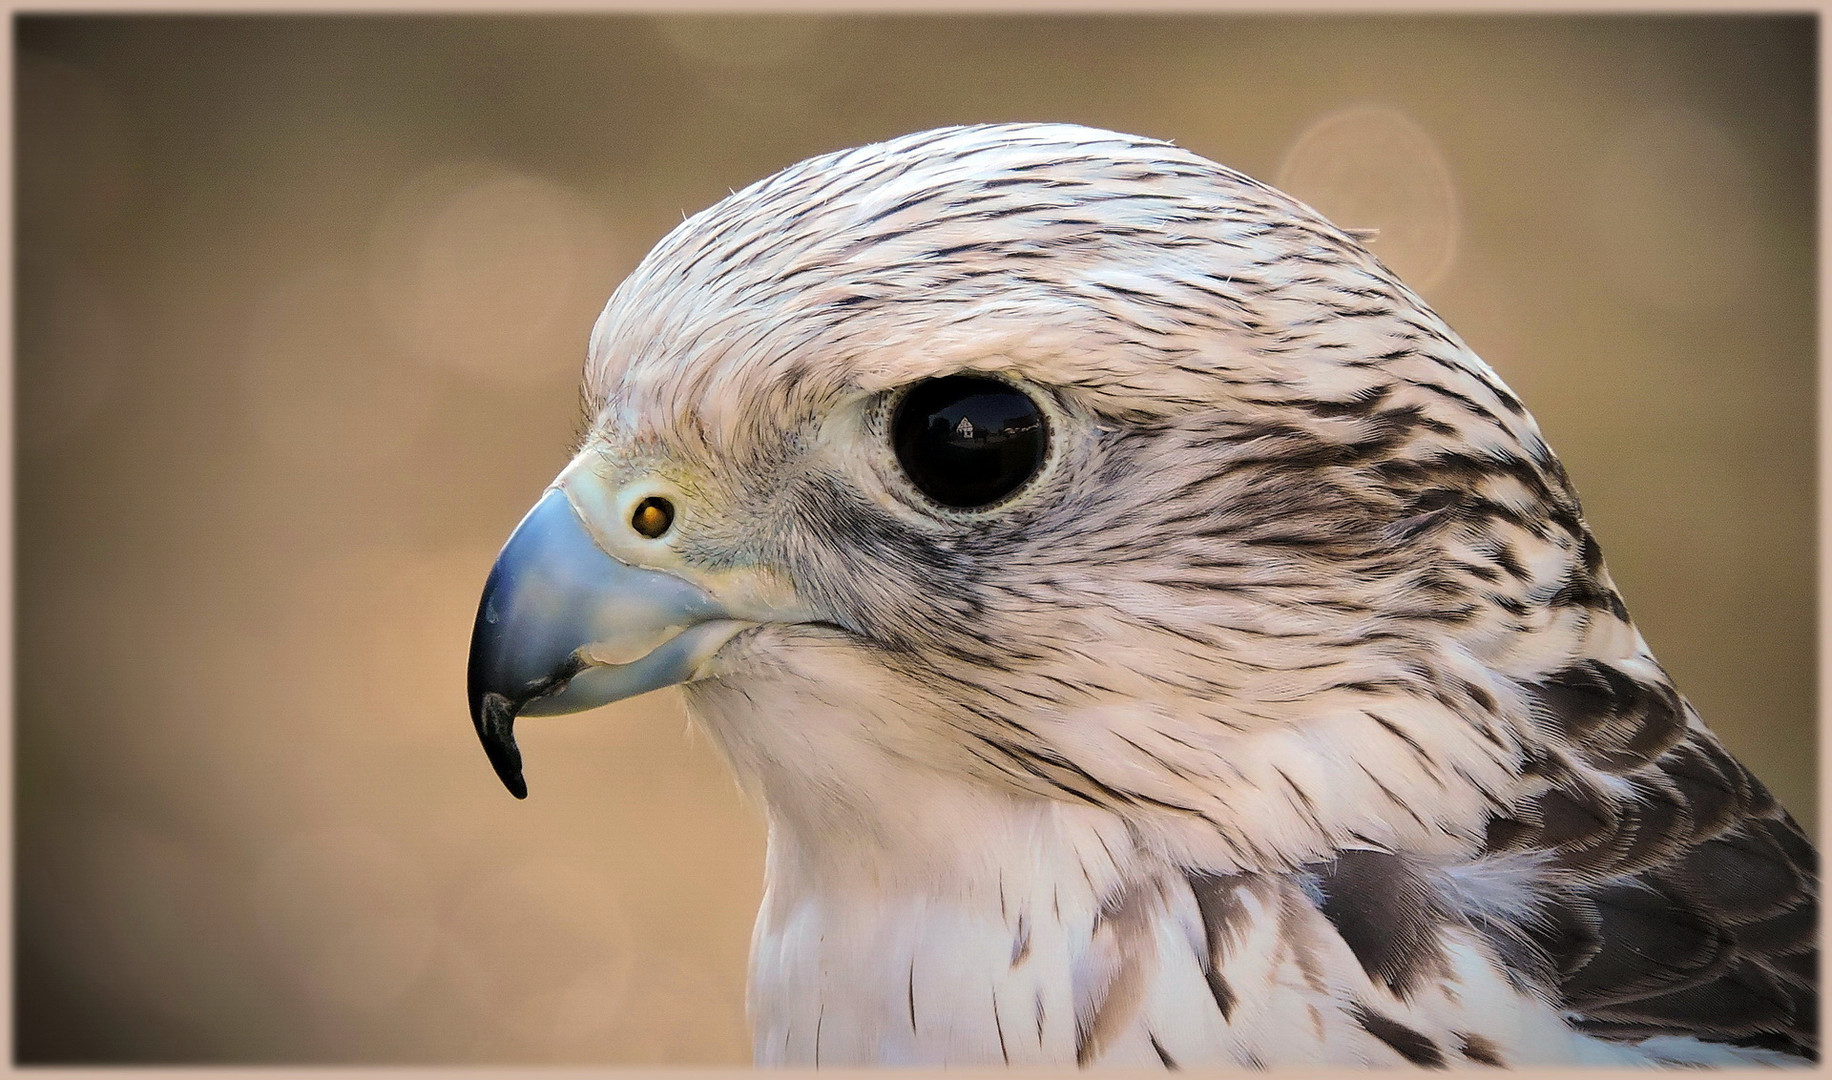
(1684, 904)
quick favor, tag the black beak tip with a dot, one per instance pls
(493, 713)
(494, 716)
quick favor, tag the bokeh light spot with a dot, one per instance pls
(492, 272)
(320, 382)
(1373, 167)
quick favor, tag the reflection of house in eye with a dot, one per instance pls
(964, 430)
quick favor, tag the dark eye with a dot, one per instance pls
(968, 442)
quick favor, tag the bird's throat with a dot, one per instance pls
(979, 961)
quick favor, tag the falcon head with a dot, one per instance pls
(1062, 534)
(1009, 463)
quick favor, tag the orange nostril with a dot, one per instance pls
(653, 517)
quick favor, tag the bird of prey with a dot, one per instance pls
(1153, 635)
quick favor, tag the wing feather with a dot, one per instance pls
(1683, 902)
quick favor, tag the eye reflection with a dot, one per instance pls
(968, 442)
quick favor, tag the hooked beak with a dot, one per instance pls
(563, 626)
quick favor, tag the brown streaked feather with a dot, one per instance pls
(1415, 1046)
(1480, 1051)
(1218, 902)
(1618, 723)
(1389, 917)
(1121, 927)
(1687, 907)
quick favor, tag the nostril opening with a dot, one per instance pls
(652, 517)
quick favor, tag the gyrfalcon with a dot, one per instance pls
(1153, 636)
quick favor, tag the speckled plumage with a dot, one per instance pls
(1290, 716)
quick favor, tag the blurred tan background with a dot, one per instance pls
(301, 306)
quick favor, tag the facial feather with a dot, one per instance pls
(1253, 513)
